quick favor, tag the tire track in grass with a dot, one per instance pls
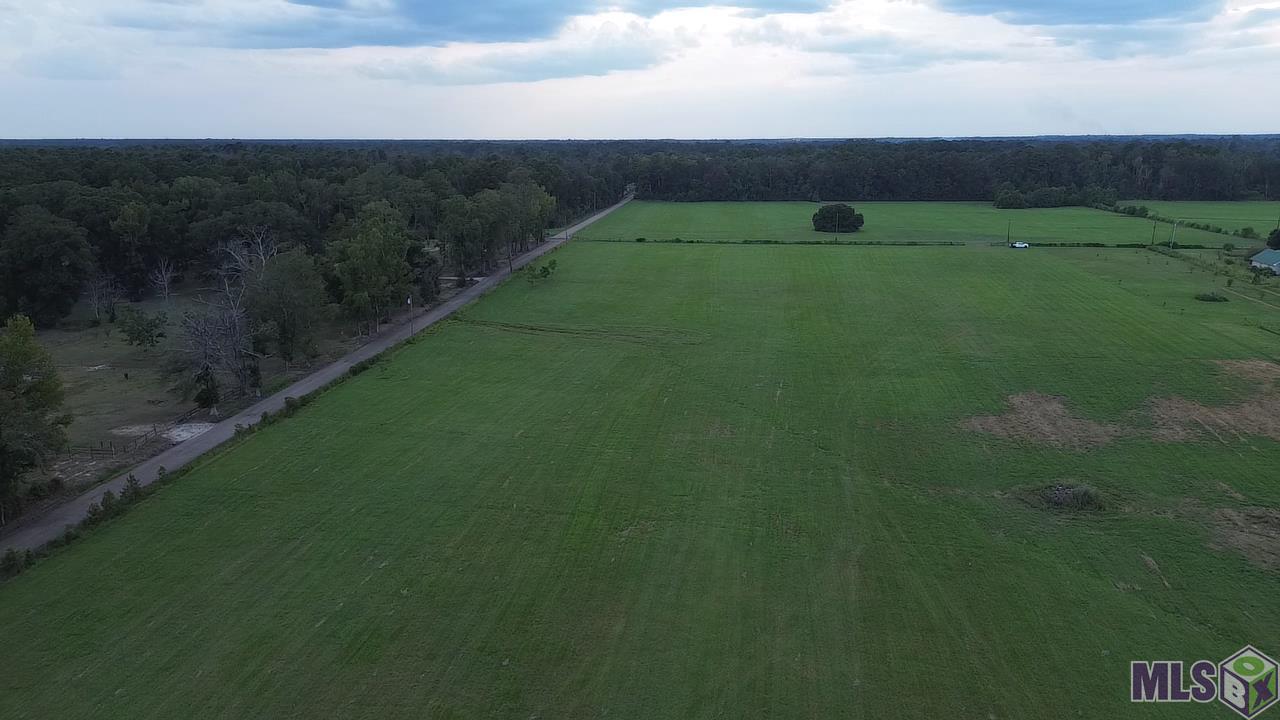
(929, 590)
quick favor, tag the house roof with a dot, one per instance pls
(1267, 257)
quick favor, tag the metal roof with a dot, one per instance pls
(1267, 257)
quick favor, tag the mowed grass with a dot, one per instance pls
(1262, 216)
(694, 481)
(886, 222)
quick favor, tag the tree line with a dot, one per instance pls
(1063, 172)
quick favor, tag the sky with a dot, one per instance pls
(516, 69)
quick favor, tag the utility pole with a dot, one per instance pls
(1008, 234)
(1153, 232)
(1173, 233)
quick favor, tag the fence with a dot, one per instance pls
(110, 448)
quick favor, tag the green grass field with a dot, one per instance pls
(1261, 216)
(888, 222)
(704, 481)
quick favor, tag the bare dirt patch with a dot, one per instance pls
(1179, 420)
(133, 430)
(1045, 419)
(1253, 532)
(1263, 372)
(186, 431)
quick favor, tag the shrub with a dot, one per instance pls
(1211, 297)
(142, 329)
(11, 564)
(132, 492)
(534, 273)
(1072, 497)
(641, 239)
(360, 367)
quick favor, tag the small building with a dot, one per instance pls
(1267, 260)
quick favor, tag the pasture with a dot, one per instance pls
(711, 481)
(887, 222)
(1262, 216)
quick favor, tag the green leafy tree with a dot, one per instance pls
(372, 265)
(427, 269)
(287, 299)
(32, 426)
(44, 262)
(141, 328)
(132, 228)
(541, 272)
(1007, 197)
(460, 229)
(1273, 242)
(207, 389)
(837, 218)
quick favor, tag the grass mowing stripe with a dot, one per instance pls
(763, 501)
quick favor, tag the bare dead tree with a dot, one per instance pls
(104, 293)
(161, 277)
(219, 336)
(246, 255)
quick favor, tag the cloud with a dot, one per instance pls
(67, 63)
(631, 68)
(284, 24)
(1086, 12)
(607, 44)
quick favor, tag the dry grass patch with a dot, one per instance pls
(1179, 420)
(1254, 532)
(1045, 419)
(1263, 372)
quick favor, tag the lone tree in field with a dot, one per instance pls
(1273, 242)
(141, 328)
(32, 426)
(837, 218)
